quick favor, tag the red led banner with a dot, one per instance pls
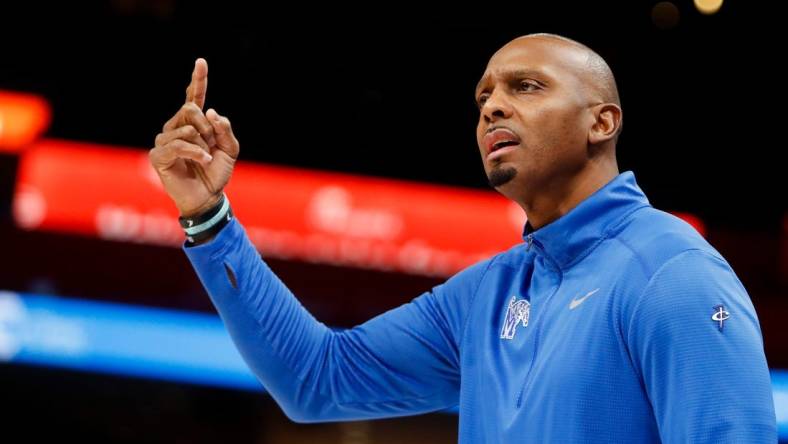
(288, 213)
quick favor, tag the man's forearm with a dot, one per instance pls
(275, 335)
(313, 372)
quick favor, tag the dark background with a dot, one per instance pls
(385, 91)
(390, 92)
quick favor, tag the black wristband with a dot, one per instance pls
(193, 239)
(207, 224)
(198, 219)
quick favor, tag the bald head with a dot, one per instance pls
(594, 71)
(549, 113)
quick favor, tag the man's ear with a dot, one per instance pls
(607, 123)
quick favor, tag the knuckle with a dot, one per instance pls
(190, 131)
(174, 145)
(193, 108)
(187, 108)
(168, 125)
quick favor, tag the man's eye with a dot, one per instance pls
(528, 86)
(482, 100)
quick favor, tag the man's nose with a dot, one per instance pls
(496, 107)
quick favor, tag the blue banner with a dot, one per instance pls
(153, 343)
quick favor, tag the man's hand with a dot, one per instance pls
(195, 152)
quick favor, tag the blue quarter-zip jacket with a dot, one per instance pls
(615, 323)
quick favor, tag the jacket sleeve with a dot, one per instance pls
(706, 376)
(402, 362)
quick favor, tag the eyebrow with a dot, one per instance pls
(515, 73)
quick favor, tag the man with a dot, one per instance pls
(613, 322)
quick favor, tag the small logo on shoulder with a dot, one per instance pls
(720, 315)
(517, 312)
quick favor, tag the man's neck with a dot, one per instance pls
(562, 196)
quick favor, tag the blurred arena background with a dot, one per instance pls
(360, 181)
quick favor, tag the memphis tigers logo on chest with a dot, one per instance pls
(517, 313)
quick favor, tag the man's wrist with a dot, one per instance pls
(204, 226)
(204, 208)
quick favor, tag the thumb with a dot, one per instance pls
(225, 139)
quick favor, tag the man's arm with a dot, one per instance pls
(707, 378)
(403, 362)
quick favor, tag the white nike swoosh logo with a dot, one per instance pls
(576, 302)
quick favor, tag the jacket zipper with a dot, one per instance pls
(530, 241)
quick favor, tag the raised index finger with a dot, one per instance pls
(199, 84)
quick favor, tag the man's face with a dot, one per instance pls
(534, 119)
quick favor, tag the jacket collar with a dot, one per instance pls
(573, 235)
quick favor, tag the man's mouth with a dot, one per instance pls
(498, 139)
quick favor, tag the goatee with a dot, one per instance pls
(500, 176)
